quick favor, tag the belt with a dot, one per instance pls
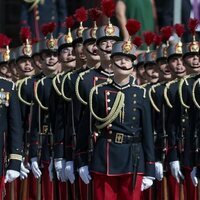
(120, 138)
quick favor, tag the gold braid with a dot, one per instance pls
(152, 89)
(181, 93)
(114, 107)
(55, 85)
(19, 92)
(165, 93)
(80, 77)
(67, 76)
(36, 94)
(193, 94)
(116, 113)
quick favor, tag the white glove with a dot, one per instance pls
(60, 169)
(175, 170)
(159, 171)
(11, 175)
(147, 182)
(84, 174)
(69, 171)
(193, 176)
(23, 171)
(35, 168)
(50, 169)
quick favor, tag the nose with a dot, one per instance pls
(179, 61)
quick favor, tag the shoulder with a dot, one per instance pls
(7, 84)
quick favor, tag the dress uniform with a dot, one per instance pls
(41, 141)
(36, 13)
(11, 130)
(118, 158)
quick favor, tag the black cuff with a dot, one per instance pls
(14, 165)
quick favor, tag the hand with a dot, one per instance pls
(84, 174)
(193, 176)
(35, 168)
(147, 182)
(11, 175)
(175, 170)
(60, 169)
(50, 169)
(23, 171)
(69, 171)
(159, 171)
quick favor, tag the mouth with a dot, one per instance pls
(94, 52)
(28, 69)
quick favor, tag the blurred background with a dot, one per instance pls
(157, 13)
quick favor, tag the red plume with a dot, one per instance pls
(166, 32)
(44, 29)
(157, 40)
(148, 37)
(180, 29)
(34, 41)
(137, 41)
(1, 40)
(69, 22)
(94, 14)
(25, 33)
(7, 41)
(133, 26)
(81, 14)
(192, 25)
(108, 7)
(51, 27)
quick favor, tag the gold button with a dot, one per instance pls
(132, 126)
(183, 120)
(134, 102)
(108, 93)
(96, 79)
(134, 95)
(109, 140)
(134, 109)
(37, 18)
(108, 100)
(133, 118)
(109, 108)
(109, 126)
(53, 17)
(110, 132)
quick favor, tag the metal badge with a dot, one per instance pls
(80, 31)
(51, 44)
(194, 47)
(178, 48)
(110, 30)
(68, 38)
(127, 47)
(27, 50)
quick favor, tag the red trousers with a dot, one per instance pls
(116, 187)
(84, 190)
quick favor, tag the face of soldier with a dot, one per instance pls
(192, 63)
(5, 71)
(91, 51)
(25, 67)
(50, 60)
(165, 72)
(176, 66)
(14, 72)
(122, 66)
(105, 48)
(79, 52)
(37, 61)
(152, 72)
(67, 59)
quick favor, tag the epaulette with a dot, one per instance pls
(17, 83)
(67, 76)
(36, 93)
(5, 79)
(193, 93)
(79, 78)
(165, 92)
(23, 81)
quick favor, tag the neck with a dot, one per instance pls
(121, 80)
(49, 72)
(106, 65)
(92, 63)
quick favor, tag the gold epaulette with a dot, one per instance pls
(182, 81)
(165, 92)
(193, 93)
(115, 110)
(24, 80)
(5, 79)
(15, 157)
(36, 92)
(152, 89)
(57, 78)
(67, 76)
(80, 77)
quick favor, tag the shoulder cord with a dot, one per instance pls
(55, 85)
(193, 94)
(67, 76)
(165, 94)
(152, 89)
(36, 94)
